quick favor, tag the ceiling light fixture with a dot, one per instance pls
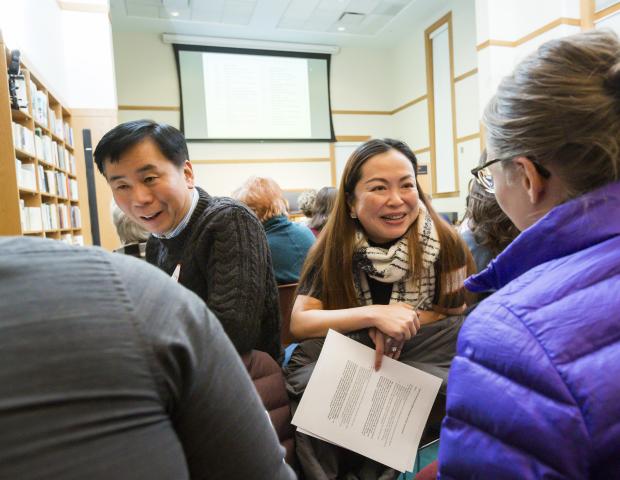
(174, 14)
(342, 29)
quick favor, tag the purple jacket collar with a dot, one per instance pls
(568, 228)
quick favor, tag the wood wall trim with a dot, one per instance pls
(586, 11)
(237, 161)
(494, 43)
(332, 162)
(447, 18)
(361, 112)
(352, 138)
(456, 193)
(156, 108)
(409, 104)
(545, 28)
(606, 12)
(94, 112)
(467, 138)
(465, 75)
(83, 7)
(422, 150)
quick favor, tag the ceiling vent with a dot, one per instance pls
(351, 18)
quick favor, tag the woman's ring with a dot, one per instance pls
(394, 349)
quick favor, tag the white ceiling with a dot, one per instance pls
(379, 23)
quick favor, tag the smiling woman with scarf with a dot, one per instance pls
(388, 272)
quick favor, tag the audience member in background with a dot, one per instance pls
(385, 270)
(132, 236)
(213, 245)
(102, 378)
(323, 205)
(305, 202)
(534, 388)
(488, 231)
(289, 242)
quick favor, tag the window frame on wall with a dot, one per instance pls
(428, 43)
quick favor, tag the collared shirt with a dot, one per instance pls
(183, 223)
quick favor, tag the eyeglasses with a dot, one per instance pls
(483, 176)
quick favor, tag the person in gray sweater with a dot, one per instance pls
(109, 369)
(214, 246)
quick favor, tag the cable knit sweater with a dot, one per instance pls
(225, 260)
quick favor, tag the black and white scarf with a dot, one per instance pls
(391, 265)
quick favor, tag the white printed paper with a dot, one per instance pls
(378, 414)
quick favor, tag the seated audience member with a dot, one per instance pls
(289, 242)
(323, 205)
(487, 230)
(534, 387)
(305, 202)
(385, 271)
(105, 378)
(214, 246)
(132, 236)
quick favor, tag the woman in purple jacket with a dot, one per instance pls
(534, 391)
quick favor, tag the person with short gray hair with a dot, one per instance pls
(132, 236)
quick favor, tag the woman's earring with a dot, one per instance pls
(353, 215)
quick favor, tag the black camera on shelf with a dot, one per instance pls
(17, 83)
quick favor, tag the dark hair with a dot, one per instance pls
(332, 255)
(490, 226)
(561, 106)
(121, 138)
(323, 205)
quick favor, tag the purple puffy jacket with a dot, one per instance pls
(534, 391)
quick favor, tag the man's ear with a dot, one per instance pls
(533, 182)
(188, 172)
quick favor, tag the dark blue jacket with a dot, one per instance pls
(534, 391)
(289, 243)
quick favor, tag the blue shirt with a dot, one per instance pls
(289, 244)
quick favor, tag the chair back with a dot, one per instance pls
(286, 295)
(270, 385)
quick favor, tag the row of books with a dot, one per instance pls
(46, 117)
(43, 147)
(61, 129)
(53, 153)
(72, 239)
(49, 216)
(57, 183)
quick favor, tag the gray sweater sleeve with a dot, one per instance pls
(215, 411)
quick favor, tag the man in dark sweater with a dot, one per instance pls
(214, 246)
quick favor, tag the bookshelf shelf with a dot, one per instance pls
(20, 115)
(37, 189)
(21, 154)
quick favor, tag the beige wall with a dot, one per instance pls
(367, 85)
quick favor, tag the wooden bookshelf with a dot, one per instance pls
(38, 183)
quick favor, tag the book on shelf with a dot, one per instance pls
(61, 184)
(39, 105)
(76, 218)
(26, 177)
(68, 134)
(23, 138)
(30, 217)
(21, 92)
(72, 185)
